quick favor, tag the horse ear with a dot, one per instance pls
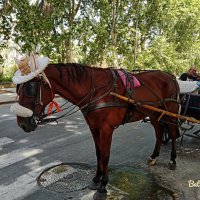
(33, 62)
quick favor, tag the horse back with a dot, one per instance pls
(156, 85)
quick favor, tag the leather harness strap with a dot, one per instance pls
(96, 106)
(92, 106)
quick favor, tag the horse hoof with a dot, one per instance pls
(172, 165)
(94, 186)
(100, 195)
(151, 162)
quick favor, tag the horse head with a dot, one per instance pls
(33, 89)
(34, 96)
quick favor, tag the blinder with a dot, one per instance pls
(31, 88)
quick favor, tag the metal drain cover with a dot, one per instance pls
(66, 178)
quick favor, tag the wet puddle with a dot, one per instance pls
(136, 184)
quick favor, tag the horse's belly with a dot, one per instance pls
(133, 115)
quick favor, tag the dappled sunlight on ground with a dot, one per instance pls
(8, 94)
(22, 141)
(32, 152)
(6, 115)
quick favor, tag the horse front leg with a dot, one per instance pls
(106, 139)
(97, 178)
(159, 132)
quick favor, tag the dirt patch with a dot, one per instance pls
(185, 179)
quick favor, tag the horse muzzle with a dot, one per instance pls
(25, 117)
(27, 124)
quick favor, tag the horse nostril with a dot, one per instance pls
(27, 124)
(23, 127)
(32, 122)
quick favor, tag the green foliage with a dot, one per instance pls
(5, 78)
(7, 73)
(152, 34)
(161, 55)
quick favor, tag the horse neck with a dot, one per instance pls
(68, 87)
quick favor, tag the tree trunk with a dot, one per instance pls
(135, 44)
(68, 50)
(114, 34)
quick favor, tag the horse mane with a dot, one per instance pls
(74, 71)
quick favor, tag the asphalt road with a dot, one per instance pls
(23, 156)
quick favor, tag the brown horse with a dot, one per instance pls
(89, 88)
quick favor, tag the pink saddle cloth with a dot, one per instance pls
(123, 78)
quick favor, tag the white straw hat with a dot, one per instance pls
(29, 67)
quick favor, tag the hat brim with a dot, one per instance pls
(18, 78)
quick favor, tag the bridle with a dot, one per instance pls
(80, 106)
(33, 89)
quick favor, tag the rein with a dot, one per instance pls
(84, 108)
(42, 119)
(161, 100)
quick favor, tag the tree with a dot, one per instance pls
(48, 23)
(131, 34)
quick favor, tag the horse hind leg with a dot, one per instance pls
(173, 132)
(159, 132)
(173, 135)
